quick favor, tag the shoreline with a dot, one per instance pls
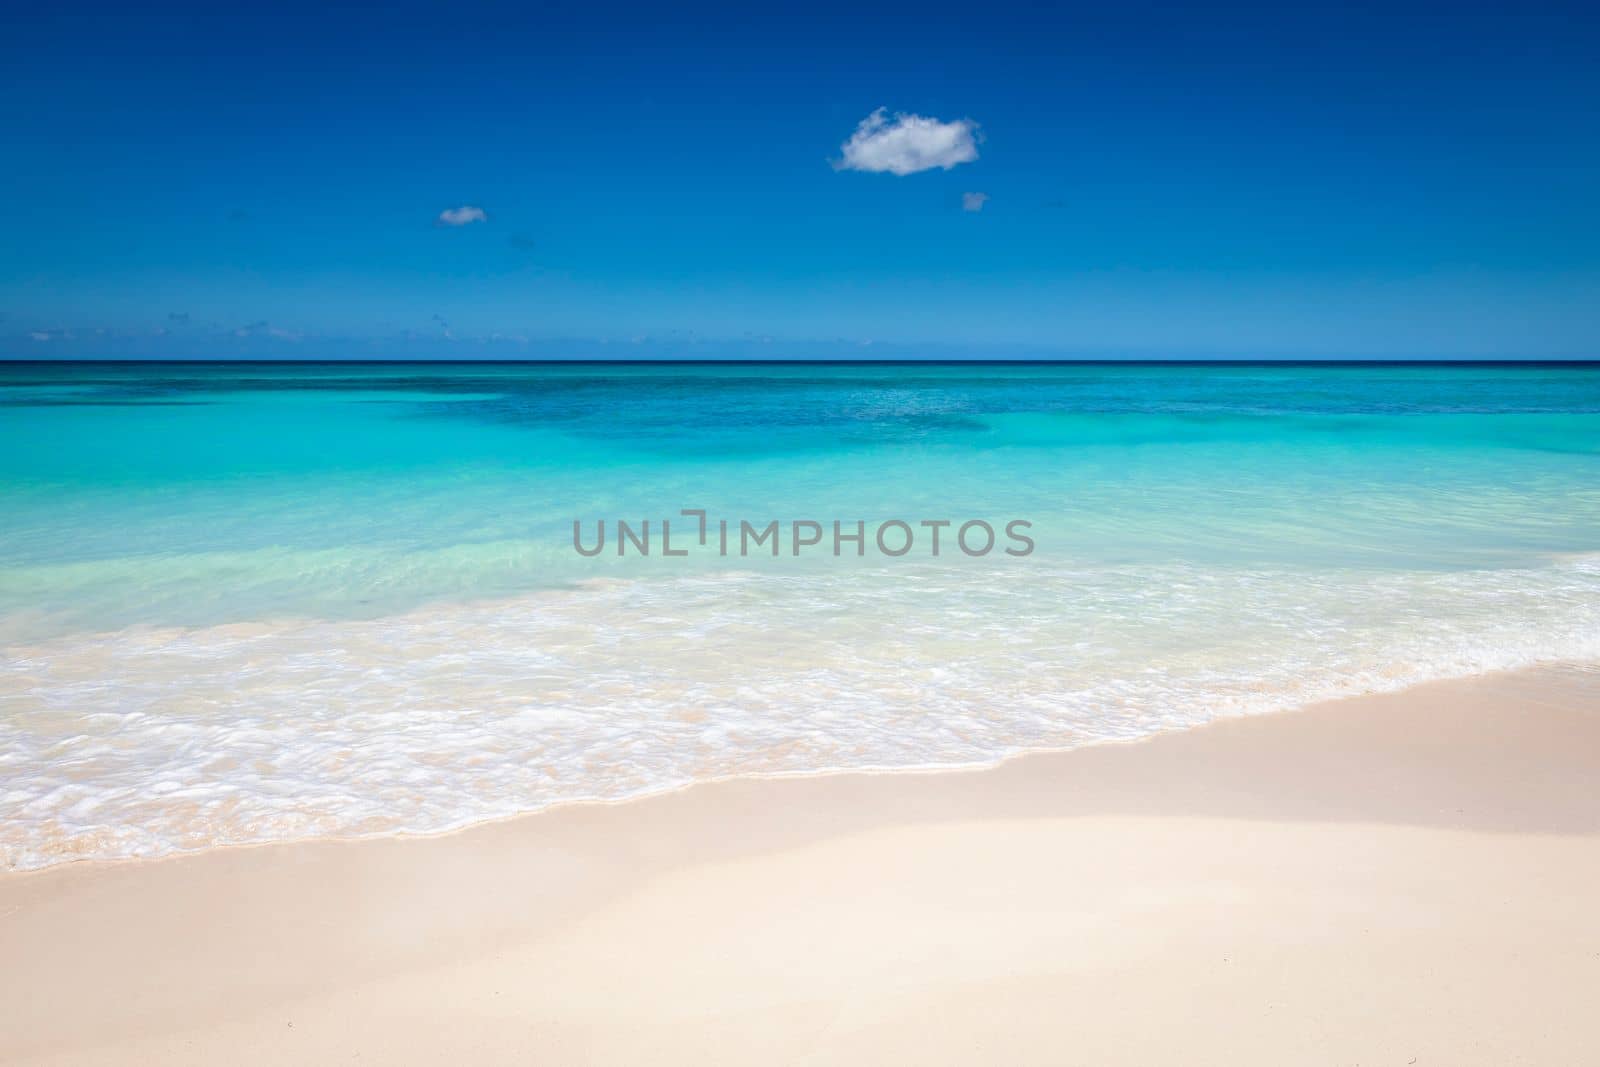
(1488, 780)
(977, 767)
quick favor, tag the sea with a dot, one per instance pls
(246, 602)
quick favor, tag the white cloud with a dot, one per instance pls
(461, 216)
(39, 335)
(973, 201)
(908, 143)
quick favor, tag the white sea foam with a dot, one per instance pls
(149, 741)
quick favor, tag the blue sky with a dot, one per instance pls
(1159, 181)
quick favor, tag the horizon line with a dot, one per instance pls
(824, 361)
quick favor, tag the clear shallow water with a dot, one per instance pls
(239, 603)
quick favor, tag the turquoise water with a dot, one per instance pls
(242, 602)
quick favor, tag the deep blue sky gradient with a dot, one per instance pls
(1164, 181)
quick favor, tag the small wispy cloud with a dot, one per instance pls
(973, 201)
(263, 328)
(907, 144)
(39, 335)
(461, 216)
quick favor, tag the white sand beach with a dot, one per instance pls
(1398, 879)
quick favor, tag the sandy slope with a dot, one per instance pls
(1397, 879)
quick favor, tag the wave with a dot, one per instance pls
(162, 739)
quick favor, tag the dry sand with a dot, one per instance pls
(1400, 879)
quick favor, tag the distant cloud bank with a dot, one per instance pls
(907, 144)
(973, 201)
(461, 216)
